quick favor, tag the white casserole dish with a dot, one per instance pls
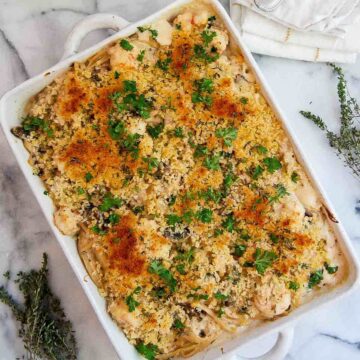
(12, 108)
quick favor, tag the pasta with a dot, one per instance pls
(191, 213)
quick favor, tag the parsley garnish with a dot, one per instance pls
(228, 134)
(263, 259)
(157, 268)
(212, 162)
(244, 100)
(179, 132)
(88, 177)
(140, 56)
(114, 218)
(219, 296)
(187, 256)
(295, 177)
(203, 86)
(154, 33)
(273, 238)
(272, 164)
(131, 302)
(116, 74)
(229, 179)
(131, 144)
(149, 351)
(331, 269)
(256, 172)
(181, 269)
(116, 129)
(261, 149)
(293, 285)
(155, 131)
(204, 215)
(239, 250)
(32, 123)
(211, 195)
(178, 324)
(229, 223)
(164, 64)
(315, 278)
(126, 45)
(208, 36)
(201, 54)
(130, 86)
(172, 200)
(200, 151)
(97, 230)
(151, 162)
(173, 219)
(109, 202)
(280, 193)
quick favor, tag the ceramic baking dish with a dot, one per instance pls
(11, 110)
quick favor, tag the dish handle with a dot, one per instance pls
(91, 23)
(277, 352)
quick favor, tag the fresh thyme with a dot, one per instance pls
(347, 142)
(44, 329)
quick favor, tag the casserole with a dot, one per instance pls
(353, 266)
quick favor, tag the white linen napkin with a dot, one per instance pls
(264, 35)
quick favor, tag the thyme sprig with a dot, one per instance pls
(347, 142)
(44, 329)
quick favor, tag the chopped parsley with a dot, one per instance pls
(178, 325)
(116, 74)
(126, 45)
(154, 33)
(219, 296)
(155, 131)
(131, 144)
(263, 259)
(280, 193)
(331, 269)
(208, 36)
(204, 215)
(201, 54)
(293, 285)
(173, 219)
(228, 134)
(211, 21)
(315, 278)
(88, 177)
(295, 177)
(152, 163)
(212, 162)
(179, 132)
(164, 64)
(256, 172)
(156, 267)
(172, 200)
(200, 151)
(116, 129)
(97, 230)
(229, 223)
(239, 250)
(274, 239)
(187, 256)
(229, 179)
(33, 123)
(110, 202)
(130, 86)
(140, 56)
(272, 164)
(262, 150)
(244, 100)
(211, 195)
(181, 269)
(148, 351)
(131, 302)
(114, 218)
(80, 191)
(202, 86)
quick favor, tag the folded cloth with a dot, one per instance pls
(330, 16)
(265, 36)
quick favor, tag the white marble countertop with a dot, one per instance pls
(32, 35)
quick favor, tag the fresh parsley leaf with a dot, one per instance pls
(200, 151)
(208, 36)
(228, 134)
(229, 179)
(131, 303)
(97, 230)
(293, 285)
(154, 33)
(212, 162)
(295, 177)
(181, 269)
(211, 21)
(211, 195)
(274, 238)
(263, 259)
(197, 98)
(280, 193)
(131, 144)
(187, 256)
(272, 164)
(172, 200)
(218, 232)
(149, 351)
(262, 150)
(173, 219)
(229, 223)
(188, 216)
(156, 130)
(204, 215)
(126, 45)
(201, 54)
(110, 201)
(239, 250)
(80, 191)
(116, 74)
(33, 123)
(244, 100)
(331, 269)
(130, 86)
(164, 64)
(178, 324)
(88, 177)
(315, 278)
(157, 268)
(204, 85)
(219, 296)
(220, 312)
(116, 129)
(256, 172)
(114, 218)
(179, 132)
(151, 162)
(141, 56)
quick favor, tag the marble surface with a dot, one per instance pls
(32, 35)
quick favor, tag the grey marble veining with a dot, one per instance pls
(32, 34)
